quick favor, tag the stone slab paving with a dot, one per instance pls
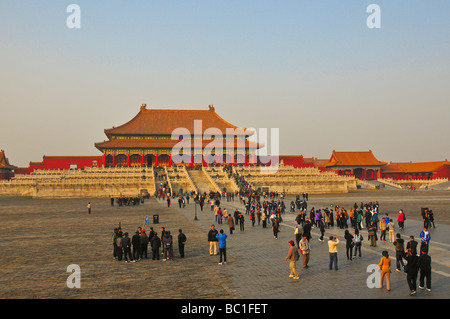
(43, 236)
(256, 260)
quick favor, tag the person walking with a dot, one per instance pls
(349, 244)
(424, 264)
(275, 228)
(401, 219)
(385, 267)
(332, 249)
(411, 269)
(425, 237)
(213, 241)
(293, 256)
(383, 227)
(399, 252)
(181, 242)
(89, 208)
(241, 222)
(391, 228)
(305, 250)
(222, 237)
(230, 223)
(358, 243)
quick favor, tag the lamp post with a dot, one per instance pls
(196, 202)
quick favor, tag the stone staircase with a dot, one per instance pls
(201, 181)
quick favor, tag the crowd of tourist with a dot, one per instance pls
(361, 222)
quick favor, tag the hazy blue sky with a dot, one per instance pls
(313, 69)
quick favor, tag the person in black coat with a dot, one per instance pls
(307, 229)
(181, 242)
(411, 269)
(424, 264)
(136, 242)
(412, 245)
(155, 242)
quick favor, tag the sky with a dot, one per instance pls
(312, 69)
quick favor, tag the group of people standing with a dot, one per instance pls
(136, 248)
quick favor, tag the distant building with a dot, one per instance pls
(421, 170)
(146, 140)
(363, 165)
(6, 170)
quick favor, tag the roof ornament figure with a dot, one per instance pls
(211, 108)
(143, 106)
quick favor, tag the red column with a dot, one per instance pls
(192, 160)
(103, 160)
(170, 160)
(156, 160)
(142, 160)
(128, 160)
(114, 160)
(365, 174)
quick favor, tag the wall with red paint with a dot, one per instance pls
(64, 162)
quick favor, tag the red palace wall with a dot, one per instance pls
(65, 162)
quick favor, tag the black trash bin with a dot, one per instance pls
(155, 219)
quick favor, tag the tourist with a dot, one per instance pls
(358, 242)
(241, 222)
(155, 242)
(136, 242)
(126, 248)
(401, 219)
(297, 234)
(293, 257)
(372, 234)
(332, 249)
(144, 244)
(424, 264)
(305, 250)
(119, 252)
(89, 208)
(114, 242)
(411, 270)
(307, 229)
(322, 229)
(399, 252)
(219, 216)
(426, 237)
(385, 267)
(391, 228)
(230, 223)
(222, 237)
(431, 218)
(166, 242)
(383, 228)
(275, 228)
(181, 242)
(213, 241)
(264, 219)
(412, 245)
(349, 244)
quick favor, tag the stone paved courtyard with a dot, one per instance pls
(41, 237)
